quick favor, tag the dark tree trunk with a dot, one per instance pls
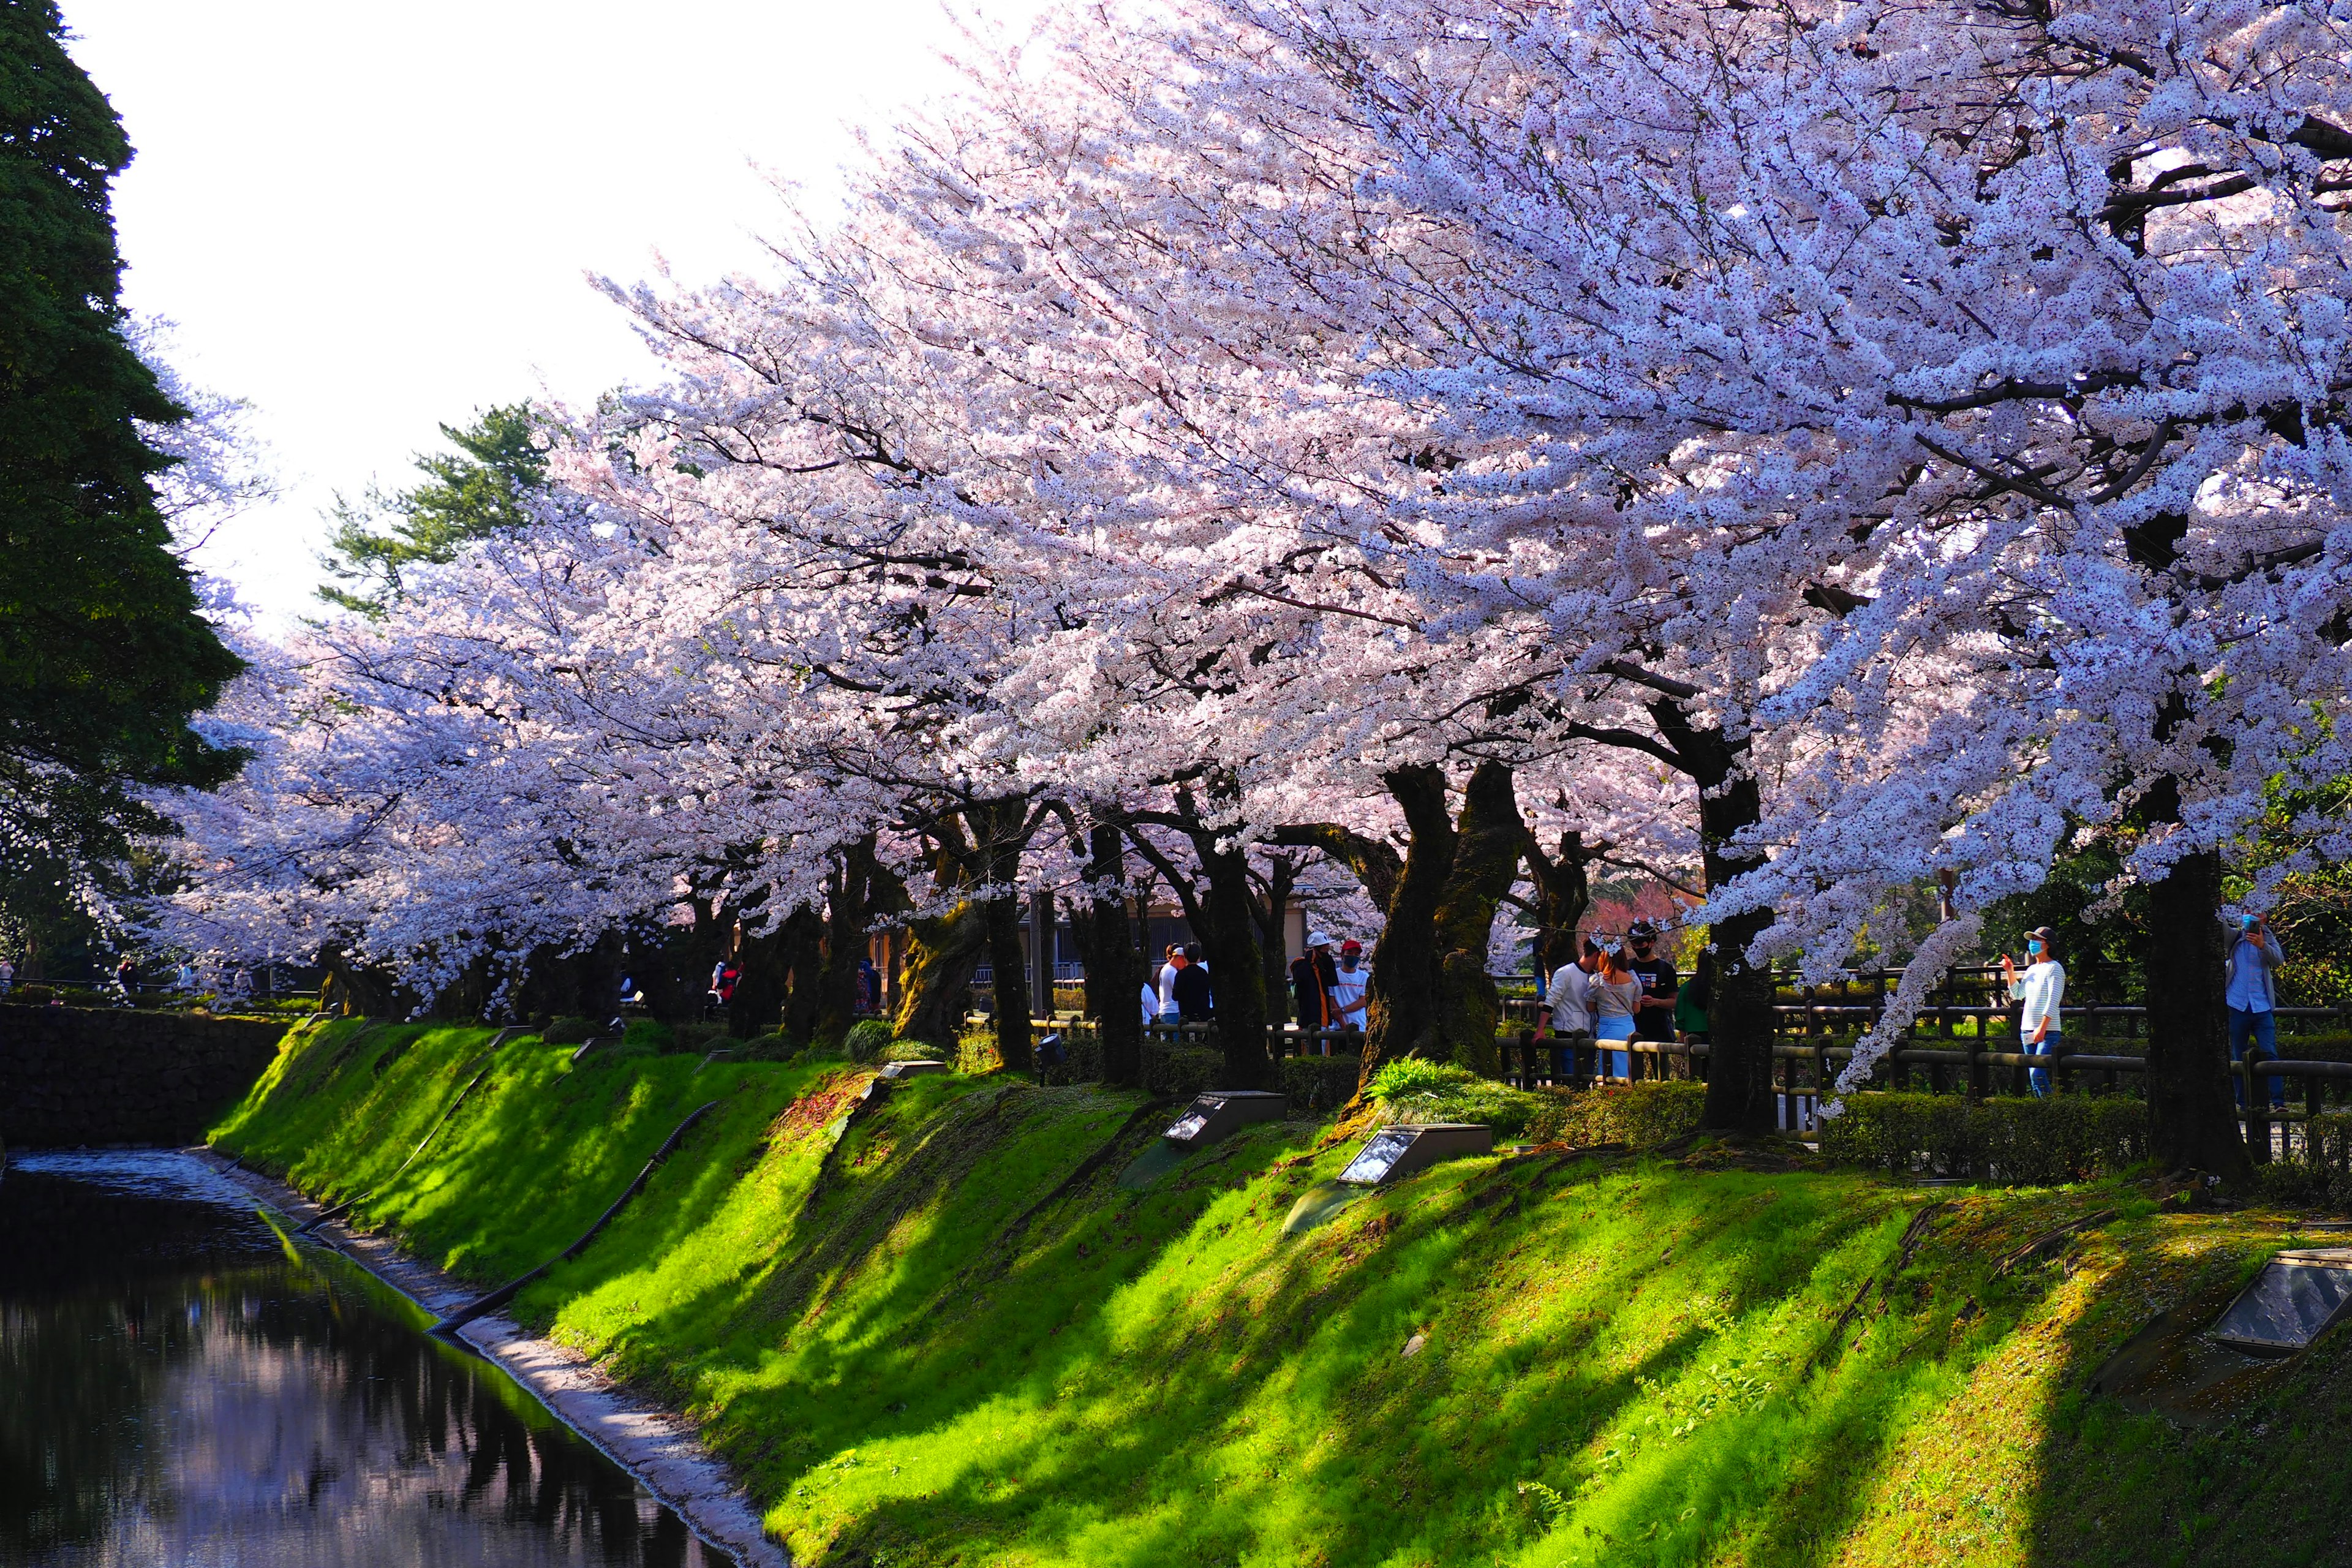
(1486, 849)
(2192, 1122)
(1740, 1096)
(1006, 958)
(356, 990)
(802, 956)
(1236, 969)
(1114, 965)
(935, 986)
(762, 984)
(1401, 1006)
(856, 885)
(1563, 892)
(1272, 913)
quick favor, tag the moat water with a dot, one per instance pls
(182, 1386)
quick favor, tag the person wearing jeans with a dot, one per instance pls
(2253, 996)
(2043, 989)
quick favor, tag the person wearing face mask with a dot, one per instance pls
(2253, 994)
(1349, 983)
(2043, 989)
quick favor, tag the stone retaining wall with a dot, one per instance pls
(82, 1075)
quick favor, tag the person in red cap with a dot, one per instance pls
(1349, 982)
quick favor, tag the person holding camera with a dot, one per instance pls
(2042, 988)
(2252, 976)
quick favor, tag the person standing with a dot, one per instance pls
(1166, 982)
(1351, 981)
(1653, 1018)
(2043, 989)
(1692, 1001)
(1149, 996)
(1567, 1007)
(1312, 977)
(1195, 1002)
(1615, 995)
(2252, 992)
(7, 976)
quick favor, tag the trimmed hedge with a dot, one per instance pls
(1317, 1086)
(1638, 1114)
(2037, 1142)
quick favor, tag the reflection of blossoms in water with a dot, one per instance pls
(196, 1394)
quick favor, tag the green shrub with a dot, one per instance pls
(1412, 1075)
(1318, 1086)
(1182, 1071)
(650, 1032)
(1640, 1114)
(2066, 1138)
(769, 1047)
(31, 996)
(569, 1030)
(866, 1039)
(912, 1051)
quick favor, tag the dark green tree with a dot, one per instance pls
(103, 654)
(471, 494)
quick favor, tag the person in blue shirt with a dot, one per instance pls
(2252, 976)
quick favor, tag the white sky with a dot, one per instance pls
(365, 220)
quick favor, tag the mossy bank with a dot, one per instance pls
(950, 1335)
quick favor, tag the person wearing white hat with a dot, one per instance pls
(1312, 977)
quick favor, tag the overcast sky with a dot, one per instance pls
(365, 220)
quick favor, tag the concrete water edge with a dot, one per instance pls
(658, 1446)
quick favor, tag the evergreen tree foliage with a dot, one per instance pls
(474, 493)
(103, 654)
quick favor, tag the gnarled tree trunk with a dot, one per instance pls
(935, 986)
(1114, 964)
(1487, 844)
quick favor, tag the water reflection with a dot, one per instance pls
(176, 1387)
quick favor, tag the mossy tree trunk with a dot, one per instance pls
(1487, 844)
(935, 984)
(1401, 1003)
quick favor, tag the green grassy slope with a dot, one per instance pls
(952, 1337)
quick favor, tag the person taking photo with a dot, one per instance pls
(2251, 977)
(2042, 988)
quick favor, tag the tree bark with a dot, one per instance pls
(801, 955)
(2192, 1122)
(850, 900)
(1272, 913)
(1740, 1095)
(1114, 964)
(1401, 1006)
(1487, 845)
(935, 986)
(1563, 892)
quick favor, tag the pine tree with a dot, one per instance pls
(472, 494)
(103, 654)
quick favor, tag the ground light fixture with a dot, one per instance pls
(1400, 1151)
(2290, 1303)
(1222, 1111)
